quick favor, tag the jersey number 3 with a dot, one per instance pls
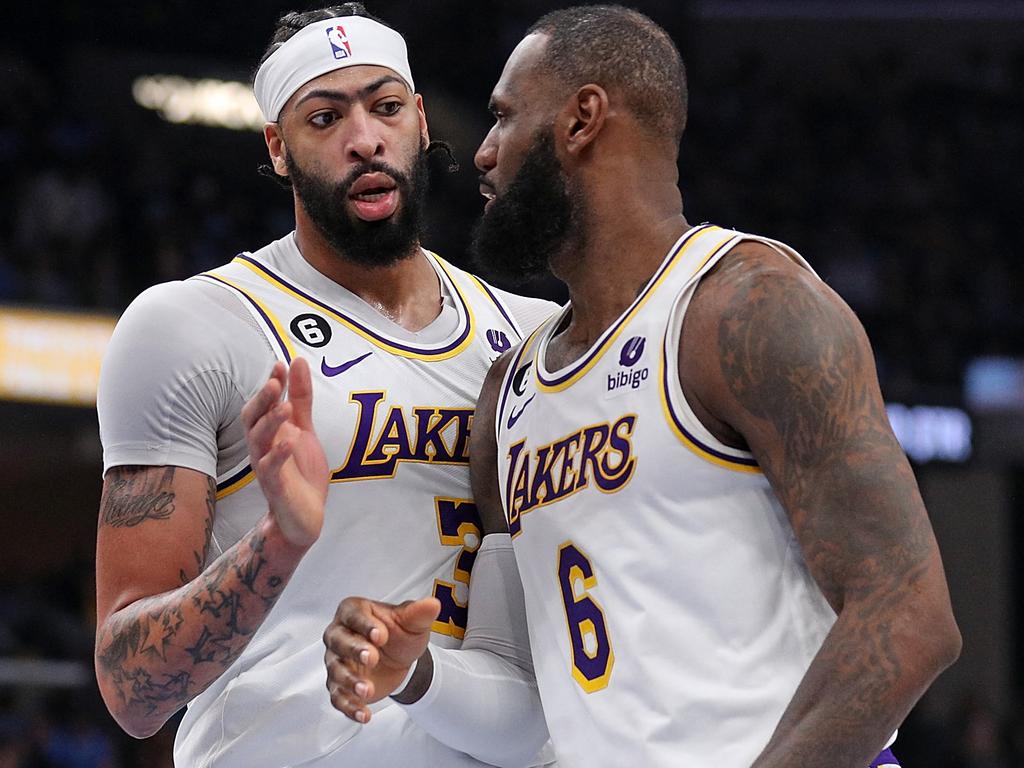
(458, 525)
(592, 656)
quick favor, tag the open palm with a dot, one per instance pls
(286, 454)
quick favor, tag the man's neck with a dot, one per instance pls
(628, 228)
(608, 272)
(408, 292)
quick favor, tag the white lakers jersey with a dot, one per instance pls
(394, 419)
(671, 614)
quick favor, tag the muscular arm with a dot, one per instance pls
(167, 628)
(772, 358)
(483, 450)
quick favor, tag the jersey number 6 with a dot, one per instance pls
(592, 656)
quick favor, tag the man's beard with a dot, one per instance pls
(536, 218)
(368, 243)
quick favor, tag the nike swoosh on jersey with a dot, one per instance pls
(513, 417)
(334, 370)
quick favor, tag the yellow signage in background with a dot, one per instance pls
(51, 357)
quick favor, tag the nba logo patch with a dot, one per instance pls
(339, 42)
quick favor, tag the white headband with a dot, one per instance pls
(323, 47)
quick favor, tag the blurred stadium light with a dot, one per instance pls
(207, 101)
(994, 383)
(930, 433)
(39, 673)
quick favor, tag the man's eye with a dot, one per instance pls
(323, 119)
(389, 107)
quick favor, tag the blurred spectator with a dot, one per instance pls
(982, 741)
(76, 739)
(22, 741)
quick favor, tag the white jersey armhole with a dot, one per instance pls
(239, 304)
(679, 410)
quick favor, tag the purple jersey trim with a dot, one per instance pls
(500, 307)
(239, 475)
(885, 757)
(266, 319)
(745, 461)
(380, 338)
(599, 348)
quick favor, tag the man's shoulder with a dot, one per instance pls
(179, 308)
(521, 304)
(188, 326)
(173, 298)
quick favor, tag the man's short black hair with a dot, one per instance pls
(294, 21)
(621, 50)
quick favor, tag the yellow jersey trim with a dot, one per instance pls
(393, 347)
(596, 354)
(268, 316)
(238, 485)
(738, 464)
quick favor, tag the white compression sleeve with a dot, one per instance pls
(483, 698)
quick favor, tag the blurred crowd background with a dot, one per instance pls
(883, 140)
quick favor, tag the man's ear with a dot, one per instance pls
(424, 131)
(276, 148)
(584, 117)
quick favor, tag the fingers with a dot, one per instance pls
(350, 655)
(356, 633)
(350, 707)
(417, 616)
(358, 615)
(300, 393)
(349, 692)
(263, 435)
(270, 464)
(265, 413)
(268, 395)
(370, 647)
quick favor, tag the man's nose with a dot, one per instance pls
(365, 142)
(486, 156)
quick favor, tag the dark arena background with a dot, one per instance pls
(884, 139)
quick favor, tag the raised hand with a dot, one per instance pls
(370, 647)
(285, 453)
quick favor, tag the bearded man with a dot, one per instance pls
(213, 590)
(718, 544)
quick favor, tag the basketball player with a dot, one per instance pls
(724, 556)
(213, 590)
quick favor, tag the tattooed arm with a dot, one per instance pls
(772, 360)
(167, 628)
